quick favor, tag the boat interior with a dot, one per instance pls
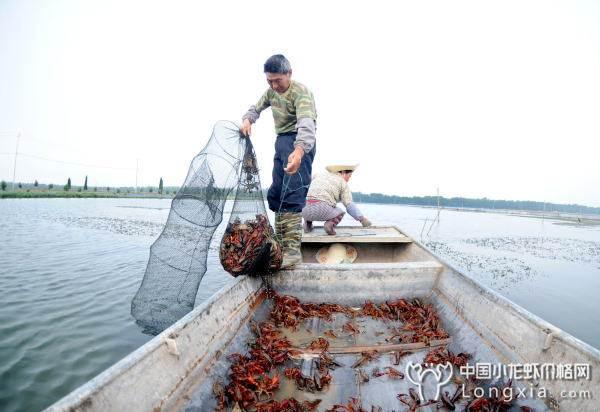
(388, 265)
(183, 367)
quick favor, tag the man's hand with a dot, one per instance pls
(365, 222)
(294, 161)
(246, 127)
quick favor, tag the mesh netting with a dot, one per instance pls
(248, 245)
(178, 257)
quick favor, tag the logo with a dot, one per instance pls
(417, 375)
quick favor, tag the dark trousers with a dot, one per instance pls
(288, 192)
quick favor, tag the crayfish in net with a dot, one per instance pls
(250, 248)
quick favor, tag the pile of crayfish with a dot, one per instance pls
(421, 321)
(250, 248)
(288, 311)
(442, 356)
(253, 380)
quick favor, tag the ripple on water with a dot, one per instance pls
(66, 292)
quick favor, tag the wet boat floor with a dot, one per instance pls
(348, 380)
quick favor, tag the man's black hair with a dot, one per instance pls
(277, 64)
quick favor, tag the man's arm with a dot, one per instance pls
(306, 126)
(305, 137)
(253, 113)
(305, 141)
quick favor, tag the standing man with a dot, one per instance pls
(295, 116)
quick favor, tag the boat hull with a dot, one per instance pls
(176, 369)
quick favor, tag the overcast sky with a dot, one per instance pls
(497, 99)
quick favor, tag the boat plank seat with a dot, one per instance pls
(357, 234)
(373, 245)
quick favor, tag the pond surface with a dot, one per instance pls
(69, 268)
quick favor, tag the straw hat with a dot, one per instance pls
(339, 168)
(337, 253)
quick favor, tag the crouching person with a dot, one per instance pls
(325, 191)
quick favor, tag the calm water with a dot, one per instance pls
(69, 268)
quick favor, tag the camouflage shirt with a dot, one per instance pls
(292, 110)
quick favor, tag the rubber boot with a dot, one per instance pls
(308, 226)
(330, 225)
(288, 228)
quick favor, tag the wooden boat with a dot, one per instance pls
(177, 369)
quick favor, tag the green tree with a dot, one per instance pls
(51, 186)
(3, 185)
(79, 189)
(20, 185)
(150, 189)
(68, 185)
(107, 188)
(160, 186)
(85, 184)
(35, 183)
(118, 190)
(95, 189)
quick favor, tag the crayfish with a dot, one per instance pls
(442, 356)
(448, 401)
(353, 405)
(250, 248)
(389, 371)
(412, 400)
(311, 384)
(366, 357)
(500, 402)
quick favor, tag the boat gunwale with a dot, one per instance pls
(95, 385)
(345, 267)
(523, 313)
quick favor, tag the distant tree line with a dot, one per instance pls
(453, 202)
(162, 189)
(484, 203)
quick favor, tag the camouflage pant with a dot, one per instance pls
(288, 231)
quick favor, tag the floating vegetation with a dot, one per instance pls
(504, 271)
(570, 250)
(120, 226)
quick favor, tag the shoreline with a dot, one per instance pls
(80, 195)
(565, 218)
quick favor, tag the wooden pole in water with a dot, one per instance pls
(438, 204)
(136, 174)
(15, 163)
(544, 211)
